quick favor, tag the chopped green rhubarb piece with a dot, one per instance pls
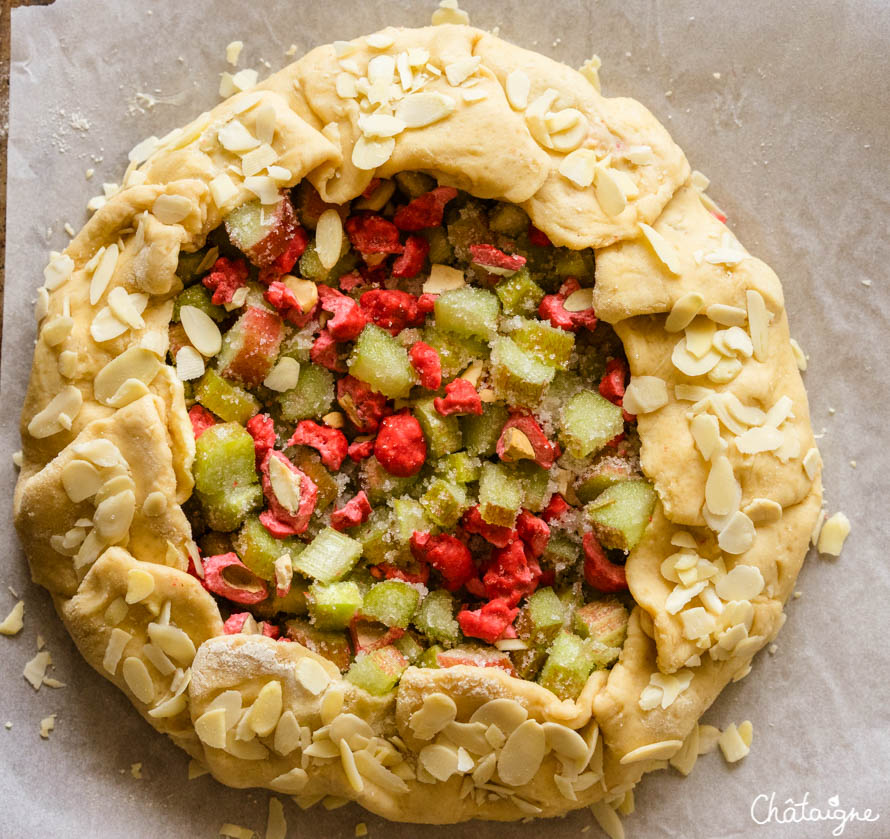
(469, 311)
(414, 184)
(310, 265)
(435, 618)
(605, 620)
(261, 231)
(333, 606)
(562, 550)
(379, 360)
(199, 297)
(378, 671)
(536, 491)
(410, 646)
(392, 602)
(329, 556)
(408, 515)
(226, 481)
(517, 376)
(620, 514)
(293, 603)
(375, 536)
(578, 264)
(229, 402)
(379, 485)
(603, 474)
(508, 219)
(570, 661)
(441, 251)
(442, 434)
(455, 353)
(258, 549)
(312, 397)
(541, 617)
(500, 494)
(334, 646)
(548, 345)
(470, 227)
(588, 422)
(528, 663)
(444, 502)
(459, 467)
(430, 657)
(187, 267)
(482, 431)
(519, 294)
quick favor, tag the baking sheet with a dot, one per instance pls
(786, 108)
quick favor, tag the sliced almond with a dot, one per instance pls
(234, 137)
(664, 250)
(12, 624)
(742, 583)
(697, 623)
(506, 714)
(421, 109)
(663, 750)
(439, 760)
(201, 330)
(80, 480)
(123, 309)
(189, 364)
(535, 117)
(56, 330)
(106, 325)
(517, 87)
(437, 711)
(522, 754)
(140, 584)
(645, 394)
(691, 366)
(608, 192)
(353, 776)
(103, 272)
(266, 709)
(738, 535)
(312, 676)
(368, 154)
(211, 728)
(58, 270)
(263, 187)
(683, 311)
(134, 363)
(732, 745)
(833, 535)
(443, 278)
(579, 167)
(448, 12)
(565, 741)
(290, 783)
(459, 71)
(114, 515)
(285, 484)
(700, 336)
(258, 159)
(727, 315)
(722, 491)
(222, 190)
(58, 415)
(579, 301)
(329, 238)
(173, 641)
(758, 323)
(725, 370)
(172, 209)
(114, 649)
(138, 679)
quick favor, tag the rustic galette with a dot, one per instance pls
(411, 429)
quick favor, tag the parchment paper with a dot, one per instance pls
(793, 134)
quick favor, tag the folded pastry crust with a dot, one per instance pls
(107, 449)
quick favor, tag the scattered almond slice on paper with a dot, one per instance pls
(12, 624)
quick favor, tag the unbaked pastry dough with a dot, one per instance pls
(460, 742)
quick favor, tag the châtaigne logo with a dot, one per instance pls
(766, 809)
